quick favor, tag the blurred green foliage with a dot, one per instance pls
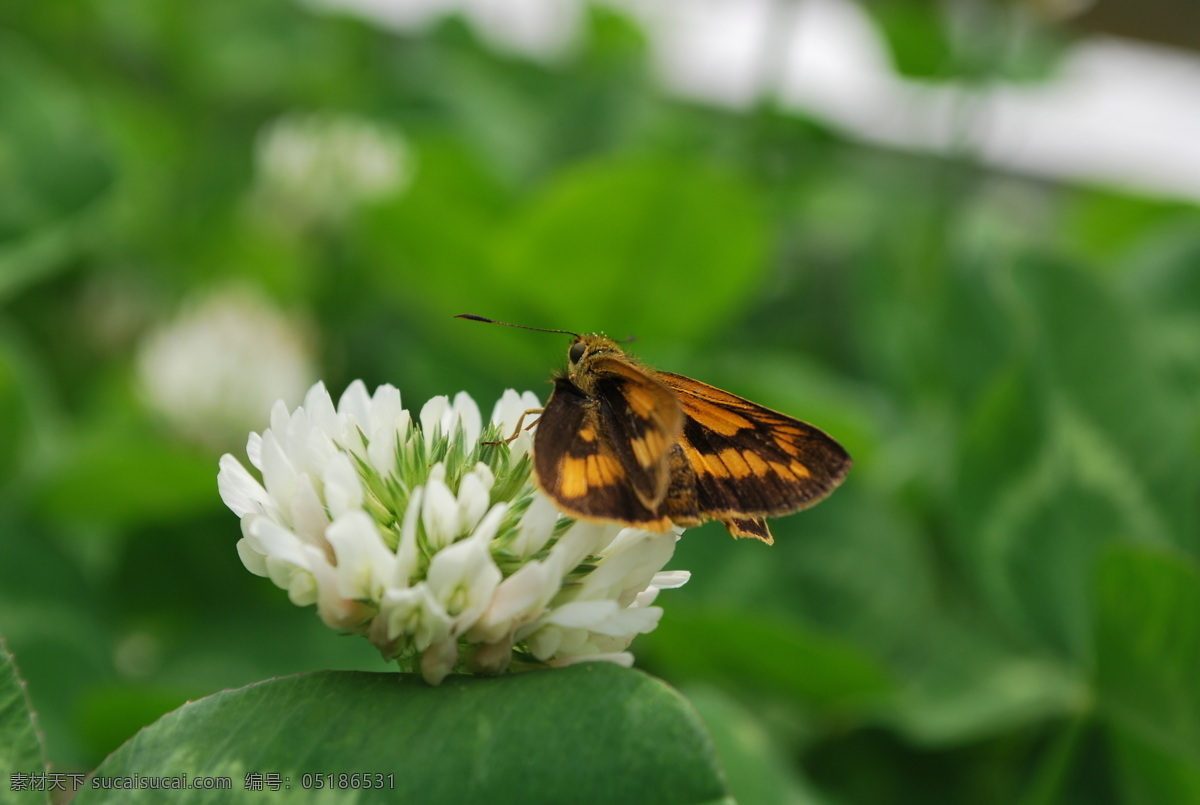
(1001, 605)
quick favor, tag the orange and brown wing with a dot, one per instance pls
(605, 455)
(750, 461)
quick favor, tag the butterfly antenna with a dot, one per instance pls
(473, 317)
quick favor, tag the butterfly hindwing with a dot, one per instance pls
(750, 461)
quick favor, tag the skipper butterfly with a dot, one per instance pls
(620, 441)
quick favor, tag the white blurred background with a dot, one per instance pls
(1117, 111)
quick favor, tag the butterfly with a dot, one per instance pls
(620, 441)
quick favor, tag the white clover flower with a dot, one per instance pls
(316, 168)
(429, 538)
(216, 366)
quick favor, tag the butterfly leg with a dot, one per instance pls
(520, 426)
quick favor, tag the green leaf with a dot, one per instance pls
(20, 743)
(1103, 226)
(963, 684)
(53, 621)
(850, 568)
(430, 236)
(54, 163)
(1003, 435)
(594, 733)
(15, 426)
(1059, 456)
(427, 250)
(1149, 776)
(108, 712)
(757, 767)
(762, 651)
(916, 37)
(118, 481)
(1035, 557)
(1131, 431)
(931, 41)
(1148, 647)
(674, 230)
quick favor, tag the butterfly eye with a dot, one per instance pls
(577, 351)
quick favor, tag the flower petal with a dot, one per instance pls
(622, 658)
(438, 660)
(414, 614)
(364, 564)
(507, 413)
(343, 490)
(466, 416)
(407, 552)
(354, 406)
(239, 490)
(254, 561)
(580, 541)
(321, 414)
(473, 498)
(254, 450)
(463, 578)
(670, 579)
(536, 527)
(307, 515)
(439, 513)
(432, 414)
(518, 600)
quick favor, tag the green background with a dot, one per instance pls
(1002, 603)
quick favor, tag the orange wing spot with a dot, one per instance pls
(732, 459)
(716, 418)
(756, 463)
(602, 470)
(572, 477)
(588, 434)
(644, 403)
(782, 471)
(613, 468)
(697, 461)
(713, 465)
(799, 470)
(786, 445)
(649, 448)
(657, 441)
(642, 452)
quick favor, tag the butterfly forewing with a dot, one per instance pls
(604, 454)
(643, 418)
(750, 460)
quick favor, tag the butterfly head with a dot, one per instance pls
(585, 360)
(585, 347)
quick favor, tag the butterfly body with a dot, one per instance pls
(620, 441)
